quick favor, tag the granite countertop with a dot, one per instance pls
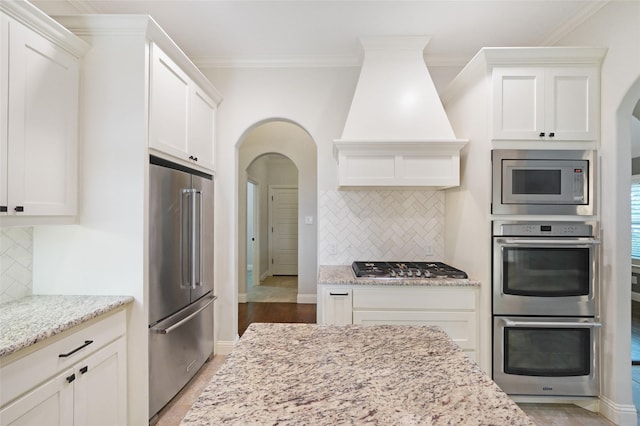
(343, 274)
(31, 319)
(291, 374)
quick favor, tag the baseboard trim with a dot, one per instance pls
(623, 415)
(264, 276)
(224, 347)
(242, 297)
(307, 298)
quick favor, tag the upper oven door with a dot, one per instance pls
(544, 276)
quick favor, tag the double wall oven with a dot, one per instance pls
(545, 287)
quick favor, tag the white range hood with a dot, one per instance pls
(397, 132)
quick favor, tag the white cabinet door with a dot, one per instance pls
(169, 105)
(49, 404)
(518, 99)
(181, 115)
(100, 388)
(572, 103)
(336, 306)
(42, 116)
(538, 103)
(201, 128)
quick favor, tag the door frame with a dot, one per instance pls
(271, 189)
(255, 252)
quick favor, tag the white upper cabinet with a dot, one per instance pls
(546, 103)
(181, 114)
(39, 81)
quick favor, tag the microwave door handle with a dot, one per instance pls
(557, 324)
(521, 242)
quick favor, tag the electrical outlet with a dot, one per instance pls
(429, 250)
(332, 249)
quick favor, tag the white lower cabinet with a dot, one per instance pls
(336, 306)
(87, 387)
(454, 309)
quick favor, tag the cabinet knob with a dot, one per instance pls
(19, 208)
(191, 157)
(84, 369)
(71, 378)
(3, 209)
(541, 134)
(552, 134)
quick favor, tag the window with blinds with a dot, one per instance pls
(635, 218)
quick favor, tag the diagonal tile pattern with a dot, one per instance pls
(16, 259)
(380, 225)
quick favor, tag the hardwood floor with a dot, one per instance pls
(251, 312)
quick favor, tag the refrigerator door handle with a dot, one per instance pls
(183, 321)
(189, 238)
(197, 239)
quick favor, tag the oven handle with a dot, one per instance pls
(557, 324)
(546, 242)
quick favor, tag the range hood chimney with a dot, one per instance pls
(397, 132)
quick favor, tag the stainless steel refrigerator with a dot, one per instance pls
(180, 278)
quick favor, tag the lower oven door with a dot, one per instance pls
(546, 355)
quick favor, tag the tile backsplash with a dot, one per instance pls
(380, 225)
(16, 259)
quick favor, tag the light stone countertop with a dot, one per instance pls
(343, 274)
(295, 374)
(29, 320)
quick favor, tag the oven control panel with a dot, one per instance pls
(554, 229)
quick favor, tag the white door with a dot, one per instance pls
(284, 230)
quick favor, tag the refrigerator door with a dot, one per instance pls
(178, 347)
(169, 289)
(202, 262)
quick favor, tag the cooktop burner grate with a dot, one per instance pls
(406, 270)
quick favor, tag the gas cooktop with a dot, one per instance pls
(406, 270)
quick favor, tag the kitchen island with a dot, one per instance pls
(323, 375)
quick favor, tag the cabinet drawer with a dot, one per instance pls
(32, 366)
(460, 326)
(415, 298)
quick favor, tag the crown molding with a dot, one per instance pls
(310, 61)
(571, 24)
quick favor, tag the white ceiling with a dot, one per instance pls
(324, 32)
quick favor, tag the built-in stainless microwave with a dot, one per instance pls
(543, 182)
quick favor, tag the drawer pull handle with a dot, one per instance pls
(71, 378)
(86, 343)
(84, 369)
(338, 294)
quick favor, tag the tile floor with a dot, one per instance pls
(542, 414)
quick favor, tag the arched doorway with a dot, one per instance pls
(279, 141)
(272, 231)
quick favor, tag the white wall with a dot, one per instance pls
(617, 27)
